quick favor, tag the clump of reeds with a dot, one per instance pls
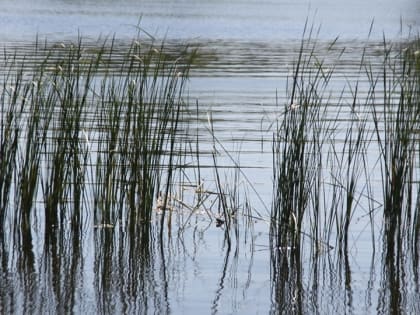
(308, 141)
(396, 118)
(10, 129)
(141, 112)
(397, 121)
(321, 166)
(89, 128)
(297, 150)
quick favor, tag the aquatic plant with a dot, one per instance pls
(397, 121)
(94, 135)
(91, 129)
(325, 170)
(321, 170)
(9, 135)
(298, 143)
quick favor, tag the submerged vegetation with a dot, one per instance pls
(95, 135)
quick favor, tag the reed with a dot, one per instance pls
(349, 174)
(89, 128)
(322, 172)
(334, 169)
(11, 120)
(396, 119)
(396, 122)
(298, 143)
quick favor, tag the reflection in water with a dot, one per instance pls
(399, 283)
(61, 270)
(216, 302)
(125, 277)
(332, 287)
(286, 287)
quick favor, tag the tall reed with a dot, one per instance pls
(12, 107)
(321, 165)
(141, 111)
(298, 143)
(396, 121)
(89, 122)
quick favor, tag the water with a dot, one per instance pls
(236, 20)
(252, 47)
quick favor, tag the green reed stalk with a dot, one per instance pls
(10, 129)
(66, 94)
(141, 110)
(73, 104)
(396, 120)
(348, 166)
(297, 151)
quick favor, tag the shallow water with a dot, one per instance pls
(252, 48)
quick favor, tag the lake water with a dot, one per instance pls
(250, 50)
(236, 20)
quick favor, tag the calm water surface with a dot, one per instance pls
(233, 20)
(252, 47)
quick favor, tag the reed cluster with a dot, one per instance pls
(88, 128)
(325, 169)
(298, 142)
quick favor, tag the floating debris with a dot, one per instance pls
(294, 106)
(219, 222)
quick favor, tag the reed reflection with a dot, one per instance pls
(286, 286)
(398, 292)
